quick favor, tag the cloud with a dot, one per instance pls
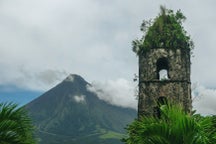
(62, 36)
(70, 78)
(204, 100)
(118, 92)
(122, 93)
(38, 81)
(79, 99)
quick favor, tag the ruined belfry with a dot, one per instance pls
(164, 74)
(164, 65)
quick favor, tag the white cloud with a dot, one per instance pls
(70, 78)
(119, 92)
(63, 36)
(39, 81)
(204, 100)
(79, 98)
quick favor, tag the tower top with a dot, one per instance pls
(165, 31)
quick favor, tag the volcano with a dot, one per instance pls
(71, 114)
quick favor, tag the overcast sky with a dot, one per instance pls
(42, 41)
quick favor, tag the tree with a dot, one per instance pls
(15, 125)
(173, 126)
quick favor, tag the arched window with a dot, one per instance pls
(162, 69)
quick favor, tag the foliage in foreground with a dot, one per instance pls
(15, 125)
(173, 126)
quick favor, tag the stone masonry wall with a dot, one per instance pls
(176, 89)
(176, 92)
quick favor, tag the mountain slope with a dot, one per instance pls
(69, 113)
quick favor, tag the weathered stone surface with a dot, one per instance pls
(177, 88)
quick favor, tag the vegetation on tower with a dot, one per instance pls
(165, 31)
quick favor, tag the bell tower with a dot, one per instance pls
(164, 73)
(164, 63)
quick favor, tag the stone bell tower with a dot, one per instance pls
(164, 74)
(164, 63)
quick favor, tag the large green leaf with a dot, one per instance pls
(15, 125)
(174, 126)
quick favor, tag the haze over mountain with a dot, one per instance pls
(71, 113)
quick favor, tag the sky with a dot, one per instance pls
(43, 41)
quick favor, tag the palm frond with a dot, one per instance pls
(174, 126)
(15, 125)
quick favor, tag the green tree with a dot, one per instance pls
(15, 125)
(173, 126)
